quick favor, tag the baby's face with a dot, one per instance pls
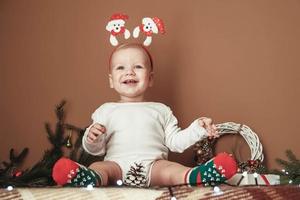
(130, 74)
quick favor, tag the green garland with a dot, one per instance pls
(290, 174)
(40, 173)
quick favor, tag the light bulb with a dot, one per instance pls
(119, 182)
(9, 188)
(89, 187)
(217, 189)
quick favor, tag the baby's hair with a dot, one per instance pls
(131, 45)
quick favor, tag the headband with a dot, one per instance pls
(149, 26)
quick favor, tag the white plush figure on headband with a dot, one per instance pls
(148, 27)
(116, 26)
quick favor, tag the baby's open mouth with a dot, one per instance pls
(129, 81)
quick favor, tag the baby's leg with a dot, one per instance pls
(165, 173)
(69, 173)
(217, 170)
(109, 171)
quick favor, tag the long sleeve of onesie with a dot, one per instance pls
(178, 140)
(98, 147)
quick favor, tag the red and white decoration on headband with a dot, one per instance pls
(149, 26)
(116, 26)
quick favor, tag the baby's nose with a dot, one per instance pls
(130, 72)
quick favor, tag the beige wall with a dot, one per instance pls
(230, 60)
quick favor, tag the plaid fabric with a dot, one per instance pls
(180, 192)
(230, 192)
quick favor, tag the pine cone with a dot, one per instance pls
(136, 176)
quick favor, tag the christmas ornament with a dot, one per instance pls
(17, 173)
(116, 26)
(251, 172)
(252, 166)
(204, 149)
(69, 140)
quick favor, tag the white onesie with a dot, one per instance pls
(137, 134)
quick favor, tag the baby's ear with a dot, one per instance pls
(110, 81)
(151, 79)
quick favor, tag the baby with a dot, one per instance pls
(136, 135)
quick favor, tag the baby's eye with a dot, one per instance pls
(139, 67)
(120, 68)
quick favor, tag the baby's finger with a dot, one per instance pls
(99, 127)
(216, 134)
(95, 131)
(91, 138)
(207, 121)
(201, 123)
(209, 132)
(214, 127)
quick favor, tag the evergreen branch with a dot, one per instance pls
(291, 169)
(59, 138)
(60, 110)
(11, 155)
(22, 155)
(6, 164)
(282, 162)
(50, 133)
(40, 173)
(291, 156)
(17, 159)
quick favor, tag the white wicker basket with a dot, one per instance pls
(249, 135)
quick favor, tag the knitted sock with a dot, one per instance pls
(69, 173)
(216, 171)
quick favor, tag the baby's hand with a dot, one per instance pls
(95, 131)
(211, 129)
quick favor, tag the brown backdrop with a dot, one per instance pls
(230, 60)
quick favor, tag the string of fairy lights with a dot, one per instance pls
(227, 128)
(216, 190)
